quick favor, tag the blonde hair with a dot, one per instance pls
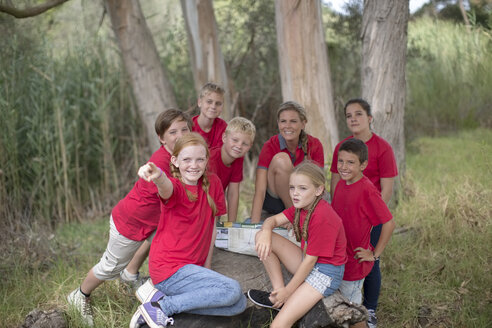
(193, 139)
(303, 137)
(211, 87)
(242, 125)
(317, 176)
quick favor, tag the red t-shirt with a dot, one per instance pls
(185, 228)
(277, 144)
(214, 136)
(360, 207)
(226, 174)
(136, 216)
(381, 163)
(326, 236)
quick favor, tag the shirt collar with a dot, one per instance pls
(283, 143)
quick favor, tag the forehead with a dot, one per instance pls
(300, 179)
(213, 95)
(194, 151)
(243, 136)
(346, 155)
(355, 107)
(289, 114)
(177, 124)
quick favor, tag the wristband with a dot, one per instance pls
(374, 256)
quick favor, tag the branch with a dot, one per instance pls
(32, 11)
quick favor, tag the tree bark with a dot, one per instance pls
(304, 70)
(151, 88)
(206, 57)
(30, 11)
(384, 46)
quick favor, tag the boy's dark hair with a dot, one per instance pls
(364, 104)
(167, 117)
(355, 146)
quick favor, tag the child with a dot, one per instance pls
(191, 199)
(208, 123)
(227, 161)
(381, 170)
(133, 220)
(279, 155)
(318, 266)
(359, 204)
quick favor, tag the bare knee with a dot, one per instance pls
(281, 162)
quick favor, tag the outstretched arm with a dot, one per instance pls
(150, 172)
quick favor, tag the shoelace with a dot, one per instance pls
(86, 306)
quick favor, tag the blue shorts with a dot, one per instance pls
(326, 278)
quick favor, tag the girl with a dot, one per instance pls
(133, 220)
(191, 199)
(279, 155)
(318, 265)
(381, 170)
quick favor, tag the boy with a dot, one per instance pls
(208, 123)
(227, 161)
(360, 206)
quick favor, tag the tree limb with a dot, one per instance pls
(31, 11)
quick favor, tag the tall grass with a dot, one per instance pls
(449, 74)
(69, 134)
(437, 272)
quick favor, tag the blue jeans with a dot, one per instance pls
(195, 289)
(372, 283)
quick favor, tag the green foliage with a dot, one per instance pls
(61, 146)
(436, 269)
(449, 73)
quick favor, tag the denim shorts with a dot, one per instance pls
(352, 290)
(326, 278)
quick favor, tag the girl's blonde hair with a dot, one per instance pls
(303, 137)
(193, 139)
(317, 176)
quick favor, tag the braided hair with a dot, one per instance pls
(193, 139)
(303, 136)
(317, 176)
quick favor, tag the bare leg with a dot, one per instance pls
(90, 283)
(285, 252)
(278, 177)
(297, 305)
(139, 258)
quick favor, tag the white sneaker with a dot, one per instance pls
(148, 293)
(137, 320)
(373, 320)
(83, 305)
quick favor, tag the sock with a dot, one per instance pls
(86, 295)
(127, 276)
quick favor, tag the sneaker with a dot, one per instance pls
(148, 293)
(133, 285)
(83, 305)
(261, 298)
(137, 320)
(372, 322)
(153, 315)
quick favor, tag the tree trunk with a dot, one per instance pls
(384, 46)
(304, 70)
(206, 57)
(151, 88)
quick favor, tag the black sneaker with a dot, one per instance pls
(261, 298)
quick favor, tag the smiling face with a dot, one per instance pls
(357, 119)
(191, 162)
(349, 167)
(173, 133)
(211, 105)
(302, 191)
(236, 144)
(290, 125)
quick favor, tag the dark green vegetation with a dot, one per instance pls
(71, 142)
